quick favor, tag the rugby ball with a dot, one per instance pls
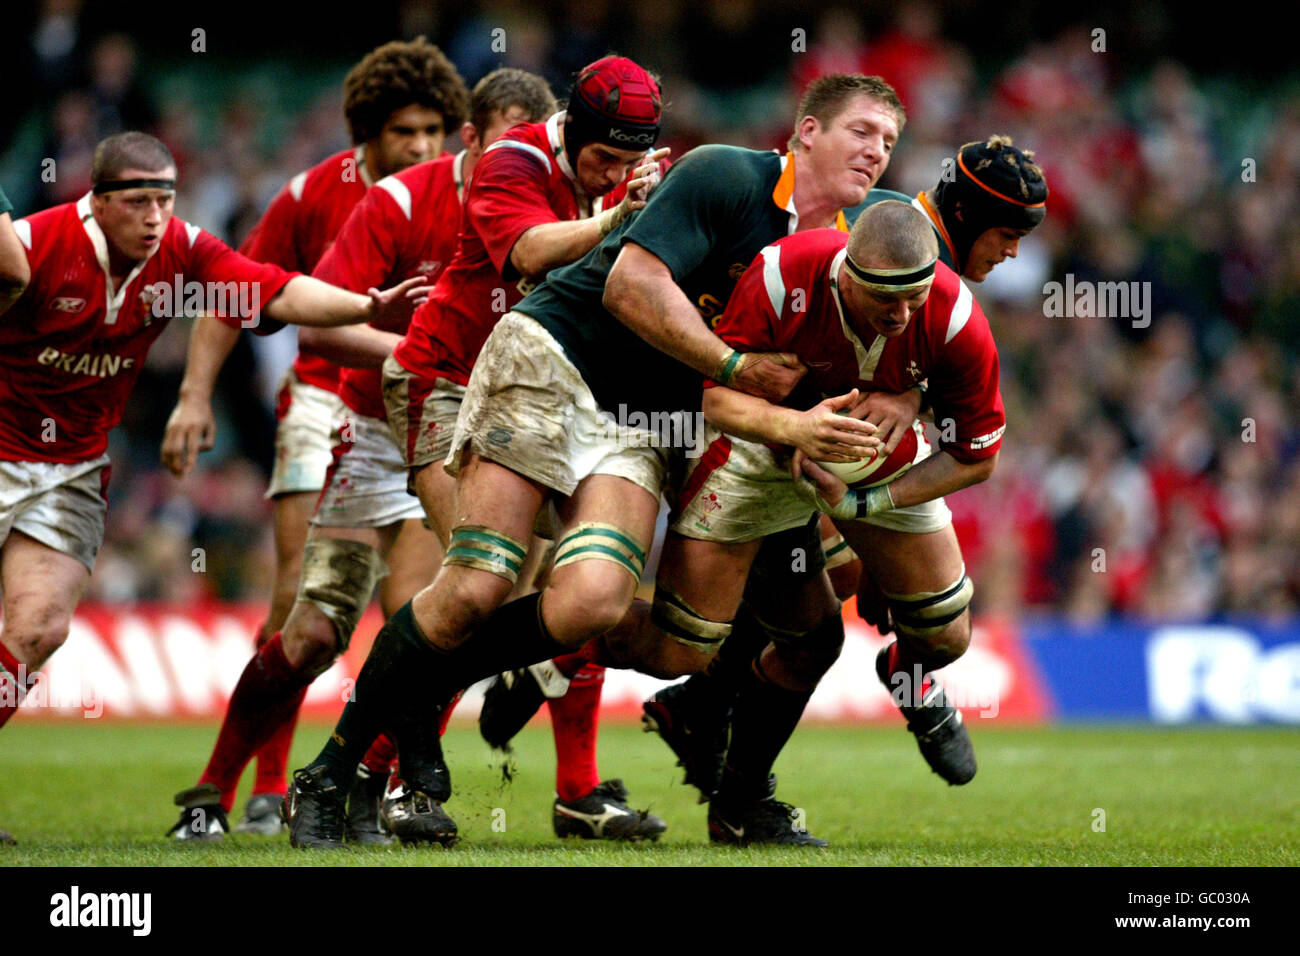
(879, 469)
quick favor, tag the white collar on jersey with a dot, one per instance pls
(458, 174)
(113, 299)
(359, 154)
(555, 135)
(868, 358)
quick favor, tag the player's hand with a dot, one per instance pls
(891, 413)
(769, 375)
(644, 180)
(394, 305)
(873, 607)
(824, 432)
(817, 483)
(190, 430)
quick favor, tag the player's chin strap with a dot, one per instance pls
(114, 185)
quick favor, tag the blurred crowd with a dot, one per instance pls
(1150, 465)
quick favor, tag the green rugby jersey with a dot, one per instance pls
(708, 219)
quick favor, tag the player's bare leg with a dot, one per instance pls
(41, 588)
(924, 583)
(458, 630)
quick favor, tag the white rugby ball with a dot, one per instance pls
(877, 469)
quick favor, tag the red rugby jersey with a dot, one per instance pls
(299, 226)
(787, 301)
(70, 354)
(523, 180)
(406, 225)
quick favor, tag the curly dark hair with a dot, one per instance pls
(396, 75)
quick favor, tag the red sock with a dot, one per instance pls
(574, 723)
(446, 713)
(15, 680)
(593, 652)
(379, 758)
(273, 758)
(268, 694)
(903, 662)
(570, 664)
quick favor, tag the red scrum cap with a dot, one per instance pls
(613, 101)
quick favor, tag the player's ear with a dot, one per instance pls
(807, 127)
(469, 136)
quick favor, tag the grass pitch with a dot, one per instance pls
(87, 793)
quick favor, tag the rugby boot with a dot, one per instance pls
(698, 739)
(758, 820)
(514, 697)
(940, 732)
(604, 814)
(315, 809)
(412, 816)
(202, 817)
(364, 800)
(262, 815)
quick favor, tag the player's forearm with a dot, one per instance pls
(352, 346)
(939, 475)
(640, 293)
(553, 244)
(211, 342)
(15, 273)
(748, 417)
(311, 302)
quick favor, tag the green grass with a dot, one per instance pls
(99, 794)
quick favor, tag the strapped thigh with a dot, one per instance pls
(478, 546)
(927, 613)
(596, 541)
(338, 578)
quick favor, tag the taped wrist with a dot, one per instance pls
(608, 220)
(858, 503)
(728, 367)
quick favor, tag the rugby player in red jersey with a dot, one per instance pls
(399, 102)
(875, 313)
(538, 201)
(366, 524)
(995, 196)
(108, 273)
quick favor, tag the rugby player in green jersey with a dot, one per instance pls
(535, 426)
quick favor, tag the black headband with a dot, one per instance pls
(113, 185)
(888, 280)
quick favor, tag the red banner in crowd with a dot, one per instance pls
(161, 662)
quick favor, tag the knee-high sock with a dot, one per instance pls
(575, 724)
(404, 672)
(272, 759)
(764, 717)
(268, 694)
(379, 758)
(715, 690)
